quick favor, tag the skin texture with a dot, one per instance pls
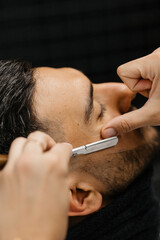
(62, 96)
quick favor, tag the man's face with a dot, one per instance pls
(67, 96)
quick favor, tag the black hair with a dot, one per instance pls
(17, 86)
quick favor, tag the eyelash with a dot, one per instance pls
(103, 109)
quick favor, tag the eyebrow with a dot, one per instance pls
(89, 107)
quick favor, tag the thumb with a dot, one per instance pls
(126, 123)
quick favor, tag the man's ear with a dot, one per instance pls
(84, 200)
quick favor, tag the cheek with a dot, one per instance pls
(110, 113)
(79, 134)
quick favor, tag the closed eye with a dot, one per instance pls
(103, 109)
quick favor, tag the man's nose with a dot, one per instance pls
(115, 95)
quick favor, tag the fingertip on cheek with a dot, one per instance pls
(108, 132)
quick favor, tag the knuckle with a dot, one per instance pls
(125, 126)
(39, 138)
(38, 142)
(16, 141)
(35, 134)
(121, 70)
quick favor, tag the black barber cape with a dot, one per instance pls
(133, 215)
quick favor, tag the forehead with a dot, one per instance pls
(59, 84)
(59, 79)
(61, 94)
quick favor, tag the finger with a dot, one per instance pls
(134, 74)
(145, 93)
(15, 151)
(60, 155)
(140, 73)
(132, 77)
(38, 142)
(126, 123)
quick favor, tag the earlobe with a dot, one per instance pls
(84, 202)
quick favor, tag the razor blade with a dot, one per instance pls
(95, 146)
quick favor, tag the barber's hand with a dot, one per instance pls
(141, 76)
(33, 189)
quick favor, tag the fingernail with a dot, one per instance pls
(109, 132)
(68, 145)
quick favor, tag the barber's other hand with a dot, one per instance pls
(33, 189)
(141, 76)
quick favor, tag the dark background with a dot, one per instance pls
(94, 36)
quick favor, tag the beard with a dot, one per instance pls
(116, 171)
